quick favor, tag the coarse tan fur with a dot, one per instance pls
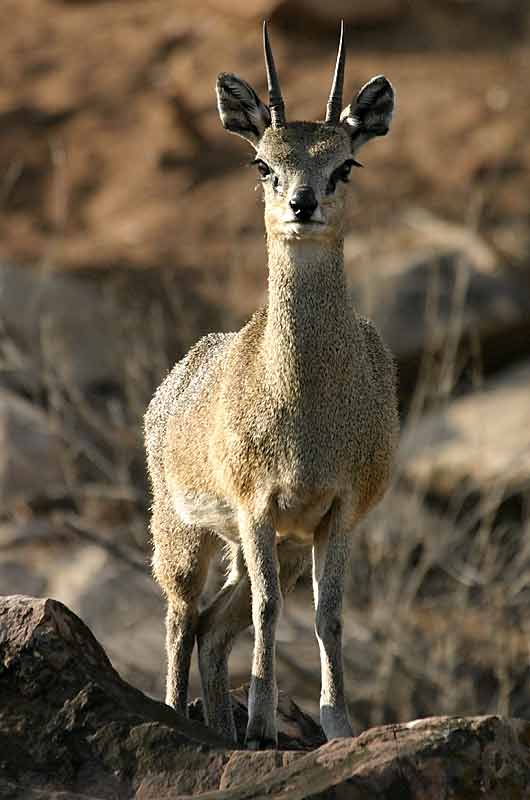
(271, 443)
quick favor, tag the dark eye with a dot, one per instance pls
(265, 172)
(263, 168)
(342, 173)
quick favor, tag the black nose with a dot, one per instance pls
(303, 203)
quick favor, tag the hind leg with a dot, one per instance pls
(227, 616)
(180, 564)
(219, 624)
(181, 622)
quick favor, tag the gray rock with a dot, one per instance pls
(55, 323)
(445, 302)
(478, 443)
(31, 451)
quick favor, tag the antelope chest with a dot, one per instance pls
(285, 469)
(290, 467)
(305, 455)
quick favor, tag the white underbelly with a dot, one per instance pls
(295, 516)
(207, 511)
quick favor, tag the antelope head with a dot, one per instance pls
(304, 166)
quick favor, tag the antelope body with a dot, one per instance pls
(272, 442)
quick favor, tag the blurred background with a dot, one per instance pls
(130, 226)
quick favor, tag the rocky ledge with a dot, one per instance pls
(70, 727)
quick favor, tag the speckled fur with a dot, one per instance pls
(272, 441)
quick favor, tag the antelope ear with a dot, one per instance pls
(370, 113)
(240, 108)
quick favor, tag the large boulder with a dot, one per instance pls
(59, 325)
(87, 336)
(70, 727)
(445, 312)
(479, 444)
(31, 451)
(68, 720)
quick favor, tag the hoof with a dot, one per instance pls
(261, 733)
(336, 724)
(261, 744)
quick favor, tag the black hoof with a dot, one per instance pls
(261, 744)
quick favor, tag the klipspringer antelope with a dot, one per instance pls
(270, 444)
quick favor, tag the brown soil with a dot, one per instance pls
(112, 154)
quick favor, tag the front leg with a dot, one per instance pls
(258, 540)
(330, 560)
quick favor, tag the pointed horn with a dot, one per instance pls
(334, 105)
(276, 105)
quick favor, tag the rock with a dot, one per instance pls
(429, 304)
(69, 721)
(58, 323)
(44, 556)
(100, 336)
(70, 728)
(296, 730)
(461, 758)
(95, 591)
(27, 440)
(9, 791)
(479, 444)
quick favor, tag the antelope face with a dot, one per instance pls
(304, 166)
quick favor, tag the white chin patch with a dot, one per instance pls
(301, 230)
(316, 219)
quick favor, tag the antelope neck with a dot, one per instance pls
(308, 310)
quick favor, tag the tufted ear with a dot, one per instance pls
(370, 113)
(240, 108)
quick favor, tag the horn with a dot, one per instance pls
(276, 105)
(334, 105)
